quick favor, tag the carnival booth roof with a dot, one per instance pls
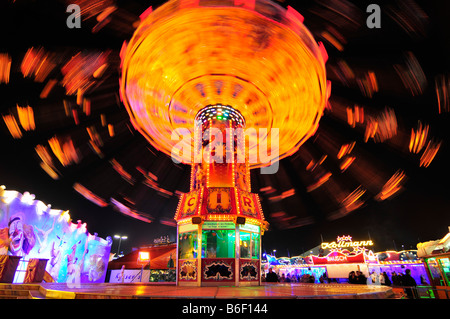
(159, 258)
(434, 247)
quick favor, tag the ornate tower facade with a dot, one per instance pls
(221, 67)
(220, 222)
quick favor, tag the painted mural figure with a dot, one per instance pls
(22, 236)
(55, 260)
(44, 242)
(97, 267)
(73, 272)
(74, 265)
(32, 230)
(4, 241)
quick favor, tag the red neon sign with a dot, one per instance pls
(337, 257)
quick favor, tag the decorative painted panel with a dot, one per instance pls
(249, 270)
(187, 270)
(217, 270)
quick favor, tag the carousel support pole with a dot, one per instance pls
(237, 256)
(199, 256)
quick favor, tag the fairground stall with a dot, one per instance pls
(337, 259)
(40, 243)
(436, 256)
(152, 263)
(398, 261)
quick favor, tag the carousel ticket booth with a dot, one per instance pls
(219, 253)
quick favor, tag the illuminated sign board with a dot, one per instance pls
(346, 242)
(218, 225)
(337, 257)
(129, 275)
(250, 227)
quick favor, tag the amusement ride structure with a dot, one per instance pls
(198, 115)
(224, 81)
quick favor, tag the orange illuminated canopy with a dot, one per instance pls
(258, 58)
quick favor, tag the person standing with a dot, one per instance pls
(381, 279)
(387, 281)
(122, 274)
(375, 278)
(423, 281)
(410, 284)
(360, 278)
(352, 278)
(395, 279)
(271, 276)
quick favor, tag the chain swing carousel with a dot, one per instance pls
(249, 83)
(194, 73)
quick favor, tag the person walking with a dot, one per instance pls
(288, 278)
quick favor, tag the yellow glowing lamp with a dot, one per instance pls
(143, 257)
(258, 58)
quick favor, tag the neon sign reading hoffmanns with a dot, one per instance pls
(346, 242)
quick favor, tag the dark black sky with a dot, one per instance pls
(420, 213)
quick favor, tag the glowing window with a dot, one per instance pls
(249, 245)
(187, 245)
(218, 243)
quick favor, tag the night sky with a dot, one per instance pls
(420, 213)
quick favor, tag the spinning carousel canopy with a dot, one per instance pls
(262, 61)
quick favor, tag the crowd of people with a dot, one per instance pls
(399, 280)
(382, 279)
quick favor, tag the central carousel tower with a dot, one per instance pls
(223, 86)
